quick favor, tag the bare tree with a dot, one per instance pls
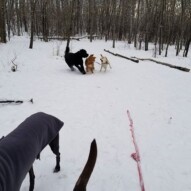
(114, 23)
(147, 23)
(180, 28)
(69, 29)
(2, 22)
(33, 7)
(170, 24)
(44, 15)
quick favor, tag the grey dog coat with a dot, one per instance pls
(19, 148)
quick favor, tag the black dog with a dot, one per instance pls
(75, 59)
(19, 149)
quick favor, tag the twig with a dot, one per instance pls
(14, 67)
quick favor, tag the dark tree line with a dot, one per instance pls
(163, 22)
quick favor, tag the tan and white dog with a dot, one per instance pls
(104, 62)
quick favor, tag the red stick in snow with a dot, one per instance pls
(136, 155)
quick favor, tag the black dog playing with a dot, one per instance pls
(19, 149)
(75, 59)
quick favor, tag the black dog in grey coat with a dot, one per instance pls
(75, 59)
(19, 149)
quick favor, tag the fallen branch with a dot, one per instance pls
(65, 38)
(115, 54)
(16, 101)
(165, 64)
(60, 38)
(57, 38)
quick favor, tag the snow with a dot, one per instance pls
(95, 106)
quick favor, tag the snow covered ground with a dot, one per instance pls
(95, 106)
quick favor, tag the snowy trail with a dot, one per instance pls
(94, 106)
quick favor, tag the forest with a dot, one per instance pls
(162, 22)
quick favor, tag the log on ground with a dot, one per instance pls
(165, 64)
(119, 55)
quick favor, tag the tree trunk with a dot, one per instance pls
(69, 30)
(180, 31)
(45, 21)
(33, 6)
(147, 14)
(137, 25)
(24, 16)
(161, 27)
(2, 22)
(90, 19)
(185, 54)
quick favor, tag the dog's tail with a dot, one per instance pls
(87, 171)
(67, 50)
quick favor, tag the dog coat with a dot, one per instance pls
(19, 148)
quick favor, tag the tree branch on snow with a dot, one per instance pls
(65, 38)
(164, 64)
(119, 55)
(8, 101)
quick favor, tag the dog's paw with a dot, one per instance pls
(57, 169)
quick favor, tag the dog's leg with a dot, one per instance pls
(101, 68)
(105, 68)
(32, 179)
(54, 145)
(81, 69)
(88, 70)
(72, 68)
